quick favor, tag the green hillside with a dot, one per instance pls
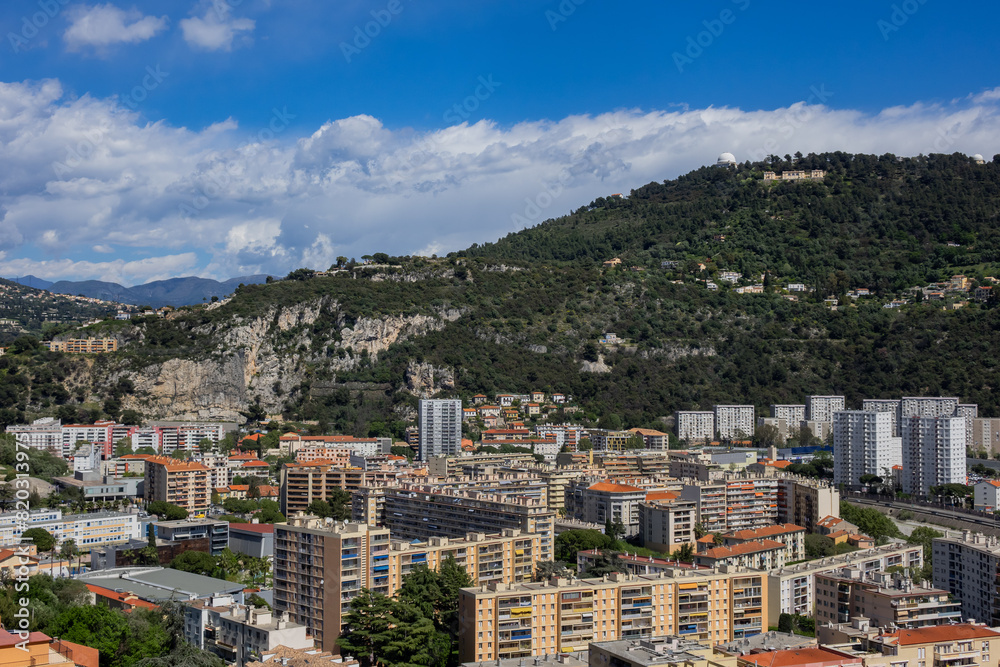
(527, 312)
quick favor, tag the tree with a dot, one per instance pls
(253, 490)
(568, 543)
(585, 445)
(368, 627)
(131, 418)
(68, 549)
(684, 554)
(320, 508)
(167, 511)
(546, 569)
(606, 562)
(205, 445)
(614, 529)
(123, 447)
(767, 435)
(41, 538)
(151, 536)
(180, 454)
(216, 498)
(196, 562)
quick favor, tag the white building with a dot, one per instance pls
(927, 406)
(726, 160)
(933, 453)
(44, 433)
(734, 421)
(821, 408)
(695, 426)
(887, 405)
(793, 414)
(87, 530)
(986, 434)
(86, 458)
(440, 428)
(729, 276)
(863, 445)
(986, 496)
(566, 435)
(245, 633)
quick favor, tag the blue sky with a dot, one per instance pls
(153, 139)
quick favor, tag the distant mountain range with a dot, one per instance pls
(173, 292)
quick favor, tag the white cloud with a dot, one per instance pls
(104, 25)
(82, 171)
(216, 29)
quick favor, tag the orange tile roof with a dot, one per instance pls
(645, 431)
(661, 495)
(611, 487)
(125, 598)
(81, 655)
(994, 482)
(801, 656)
(255, 437)
(742, 549)
(706, 539)
(942, 633)
(176, 465)
(767, 531)
(11, 639)
(256, 464)
(839, 533)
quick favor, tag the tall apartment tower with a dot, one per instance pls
(793, 414)
(863, 444)
(928, 406)
(821, 408)
(971, 412)
(440, 428)
(693, 426)
(890, 406)
(933, 453)
(733, 420)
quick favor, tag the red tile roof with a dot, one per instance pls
(127, 599)
(611, 487)
(801, 656)
(942, 633)
(252, 527)
(767, 531)
(742, 549)
(10, 639)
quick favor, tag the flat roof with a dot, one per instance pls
(161, 584)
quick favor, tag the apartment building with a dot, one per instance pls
(440, 427)
(245, 633)
(667, 525)
(501, 621)
(302, 483)
(606, 501)
(176, 481)
(44, 433)
(986, 496)
(82, 345)
(566, 435)
(610, 441)
(792, 589)
(693, 426)
(290, 444)
(863, 445)
(321, 565)
(215, 533)
(416, 512)
(986, 435)
(886, 600)
(656, 441)
(788, 534)
(888, 406)
(933, 453)
(927, 406)
(821, 408)
(733, 504)
(804, 502)
(758, 554)
(734, 421)
(668, 651)
(964, 644)
(967, 565)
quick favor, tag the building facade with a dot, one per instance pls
(967, 565)
(734, 421)
(440, 427)
(863, 444)
(693, 427)
(821, 408)
(933, 453)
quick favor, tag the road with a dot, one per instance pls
(937, 511)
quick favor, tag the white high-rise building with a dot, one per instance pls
(693, 426)
(734, 420)
(970, 411)
(927, 406)
(793, 414)
(863, 444)
(821, 408)
(933, 453)
(888, 405)
(440, 428)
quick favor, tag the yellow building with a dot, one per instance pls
(935, 646)
(82, 345)
(320, 566)
(501, 621)
(176, 481)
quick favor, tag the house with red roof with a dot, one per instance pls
(39, 650)
(820, 656)
(986, 495)
(126, 601)
(789, 534)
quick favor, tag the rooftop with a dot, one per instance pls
(940, 633)
(742, 549)
(767, 641)
(157, 584)
(803, 656)
(655, 651)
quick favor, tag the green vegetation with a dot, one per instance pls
(870, 521)
(41, 538)
(142, 637)
(821, 546)
(228, 565)
(167, 511)
(262, 509)
(798, 624)
(417, 627)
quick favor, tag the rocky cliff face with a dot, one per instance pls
(267, 357)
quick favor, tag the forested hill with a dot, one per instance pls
(355, 347)
(880, 222)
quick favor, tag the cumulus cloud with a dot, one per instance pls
(217, 28)
(83, 171)
(104, 25)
